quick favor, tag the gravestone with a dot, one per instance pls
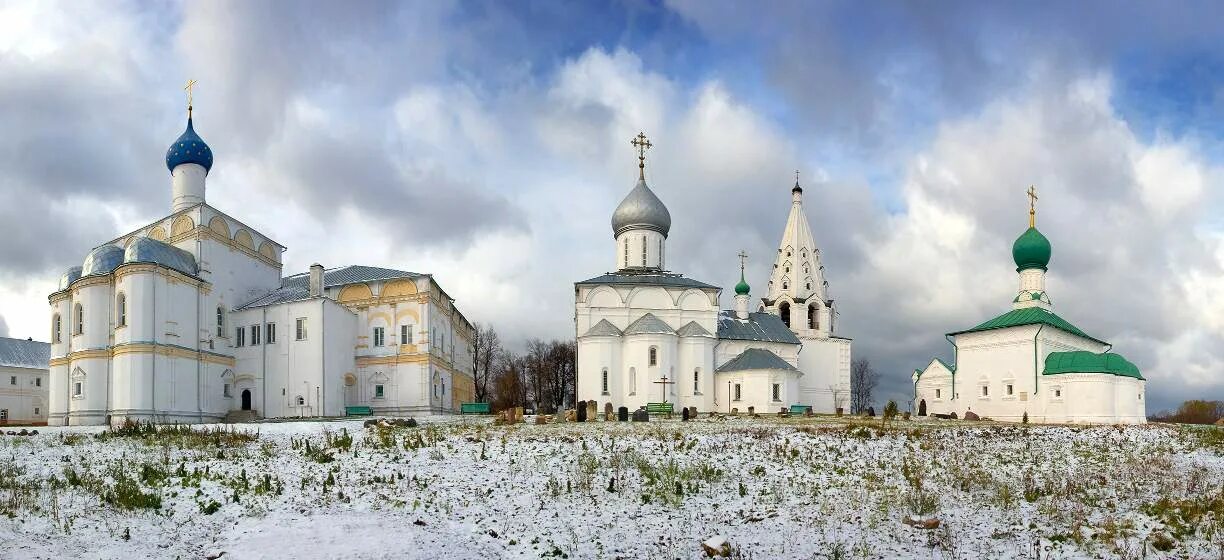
(971, 415)
(640, 415)
(871, 412)
(808, 412)
(518, 415)
(952, 415)
(784, 412)
(541, 419)
(582, 411)
(622, 414)
(752, 411)
(608, 415)
(735, 411)
(684, 416)
(592, 410)
(693, 412)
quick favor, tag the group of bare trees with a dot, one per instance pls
(863, 381)
(543, 377)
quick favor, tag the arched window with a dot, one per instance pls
(56, 326)
(784, 311)
(632, 381)
(121, 310)
(220, 321)
(654, 356)
(604, 381)
(301, 401)
(78, 316)
(813, 317)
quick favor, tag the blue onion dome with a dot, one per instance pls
(189, 148)
(148, 250)
(1031, 250)
(102, 260)
(641, 209)
(742, 288)
(69, 277)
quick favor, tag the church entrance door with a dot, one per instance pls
(246, 399)
(922, 407)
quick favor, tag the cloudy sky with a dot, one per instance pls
(487, 143)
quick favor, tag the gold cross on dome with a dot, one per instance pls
(1032, 194)
(191, 84)
(743, 256)
(642, 144)
(796, 177)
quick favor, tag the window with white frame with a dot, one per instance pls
(225, 391)
(378, 391)
(254, 335)
(270, 329)
(240, 337)
(56, 327)
(4, 414)
(78, 317)
(406, 334)
(1011, 389)
(380, 337)
(301, 328)
(654, 356)
(37, 411)
(78, 389)
(739, 393)
(121, 310)
(985, 390)
(632, 381)
(220, 321)
(777, 392)
(12, 380)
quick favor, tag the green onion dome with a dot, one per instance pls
(1031, 250)
(741, 289)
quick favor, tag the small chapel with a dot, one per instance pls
(188, 319)
(646, 334)
(1029, 363)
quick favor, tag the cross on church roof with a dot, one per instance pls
(743, 256)
(1032, 194)
(642, 144)
(191, 84)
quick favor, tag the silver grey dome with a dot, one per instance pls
(102, 260)
(69, 277)
(146, 250)
(641, 209)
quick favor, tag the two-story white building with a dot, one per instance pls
(23, 381)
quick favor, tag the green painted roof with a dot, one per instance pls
(1029, 316)
(742, 288)
(1031, 250)
(1090, 362)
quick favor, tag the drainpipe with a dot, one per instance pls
(955, 363)
(1035, 367)
(263, 357)
(322, 396)
(153, 375)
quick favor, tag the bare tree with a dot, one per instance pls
(863, 381)
(839, 396)
(551, 374)
(486, 350)
(510, 382)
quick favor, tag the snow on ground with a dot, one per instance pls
(464, 488)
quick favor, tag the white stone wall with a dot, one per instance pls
(756, 390)
(640, 248)
(23, 394)
(825, 363)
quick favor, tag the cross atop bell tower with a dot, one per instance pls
(1032, 194)
(642, 144)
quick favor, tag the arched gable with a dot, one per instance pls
(243, 238)
(399, 288)
(266, 249)
(354, 292)
(377, 316)
(409, 313)
(218, 226)
(157, 234)
(181, 225)
(604, 296)
(694, 300)
(650, 297)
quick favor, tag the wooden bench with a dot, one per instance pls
(358, 411)
(660, 408)
(800, 409)
(474, 408)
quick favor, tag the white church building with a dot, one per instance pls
(188, 319)
(1029, 361)
(648, 335)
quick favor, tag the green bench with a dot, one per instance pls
(800, 409)
(358, 411)
(474, 408)
(659, 408)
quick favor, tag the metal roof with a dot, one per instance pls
(646, 278)
(641, 209)
(603, 328)
(148, 250)
(297, 287)
(693, 329)
(649, 324)
(19, 353)
(1029, 316)
(102, 260)
(756, 359)
(1081, 361)
(759, 326)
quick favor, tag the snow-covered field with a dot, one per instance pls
(463, 488)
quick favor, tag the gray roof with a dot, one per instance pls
(24, 353)
(102, 260)
(147, 250)
(646, 278)
(755, 359)
(297, 287)
(69, 277)
(649, 324)
(603, 328)
(693, 329)
(641, 209)
(760, 327)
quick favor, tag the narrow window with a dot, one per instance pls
(1009, 389)
(271, 329)
(239, 337)
(38, 382)
(405, 334)
(12, 380)
(937, 393)
(379, 336)
(254, 335)
(3, 414)
(220, 321)
(777, 391)
(985, 391)
(56, 325)
(626, 251)
(660, 253)
(225, 391)
(301, 401)
(37, 411)
(301, 328)
(604, 383)
(79, 317)
(121, 310)
(77, 389)
(697, 381)
(738, 392)
(1057, 392)
(378, 391)
(654, 356)
(643, 250)
(632, 381)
